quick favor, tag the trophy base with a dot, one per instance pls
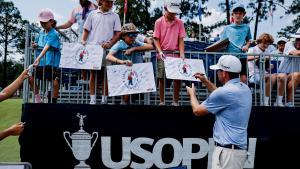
(82, 165)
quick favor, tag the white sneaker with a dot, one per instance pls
(175, 104)
(266, 103)
(161, 104)
(104, 101)
(93, 102)
(280, 104)
(289, 104)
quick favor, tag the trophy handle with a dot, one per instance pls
(66, 132)
(96, 133)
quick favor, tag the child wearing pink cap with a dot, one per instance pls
(47, 46)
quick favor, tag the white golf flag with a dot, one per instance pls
(183, 69)
(77, 56)
(123, 80)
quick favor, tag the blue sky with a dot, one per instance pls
(62, 9)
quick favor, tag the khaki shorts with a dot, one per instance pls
(225, 158)
(160, 69)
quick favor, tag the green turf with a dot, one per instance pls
(10, 113)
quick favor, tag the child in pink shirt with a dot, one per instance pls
(169, 33)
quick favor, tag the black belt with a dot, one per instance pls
(231, 146)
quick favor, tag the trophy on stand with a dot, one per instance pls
(81, 144)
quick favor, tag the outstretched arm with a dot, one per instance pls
(13, 130)
(65, 25)
(13, 87)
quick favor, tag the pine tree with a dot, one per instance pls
(11, 33)
(291, 29)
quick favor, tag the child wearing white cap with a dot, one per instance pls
(169, 33)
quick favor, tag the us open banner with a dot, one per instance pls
(183, 69)
(77, 56)
(82, 136)
(138, 78)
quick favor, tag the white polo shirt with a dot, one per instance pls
(102, 26)
(253, 69)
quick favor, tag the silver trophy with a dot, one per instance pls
(81, 144)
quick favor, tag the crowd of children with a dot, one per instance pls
(99, 25)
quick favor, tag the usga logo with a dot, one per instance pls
(81, 55)
(130, 78)
(185, 69)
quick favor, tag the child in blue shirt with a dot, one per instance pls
(124, 51)
(47, 47)
(239, 36)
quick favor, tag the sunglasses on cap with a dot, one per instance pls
(132, 35)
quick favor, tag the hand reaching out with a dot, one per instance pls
(15, 129)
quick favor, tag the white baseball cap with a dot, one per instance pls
(283, 39)
(228, 63)
(297, 34)
(173, 6)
